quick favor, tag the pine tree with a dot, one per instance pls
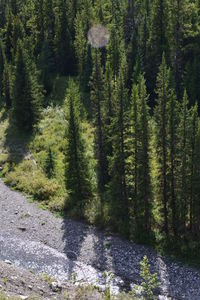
(27, 96)
(158, 39)
(49, 21)
(81, 48)
(118, 184)
(144, 184)
(193, 136)
(46, 65)
(108, 109)
(7, 85)
(177, 10)
(8, 36)
(62, 40)
(141, 191)
(2, 64)
(196, 222)
(173, 110)
(97, 98)
(184, 159)
(161, 118)
(50, 163)
(18, 34)
(78, 180)
(134, 153)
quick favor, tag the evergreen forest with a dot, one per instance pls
(99, 112)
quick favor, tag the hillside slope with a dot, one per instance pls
(34, 238)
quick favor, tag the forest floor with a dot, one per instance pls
(40, 242)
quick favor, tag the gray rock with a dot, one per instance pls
(56, 286)
(8, 262)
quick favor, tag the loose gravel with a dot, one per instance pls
(27, 233)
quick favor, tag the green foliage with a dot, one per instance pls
(27, 178)
(27, 96)
(50, 163)
(150, 281)
(102, 152)
(78, 181)
(2, 62)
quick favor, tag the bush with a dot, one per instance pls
(31, 180)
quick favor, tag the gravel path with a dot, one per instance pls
(34, 238)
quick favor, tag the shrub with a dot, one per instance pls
(150, 281)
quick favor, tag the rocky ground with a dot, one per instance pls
(20, 284)
(37, 241)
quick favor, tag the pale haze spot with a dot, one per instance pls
(98, 36)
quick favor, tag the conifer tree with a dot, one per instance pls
(7, 86)
(141, 192)
(8, 36)
(158, 39)
(27, 96)
(118, 184)
(97, 98)
(49, 21)
(78, 180)
(161, 119)
(2, 63)
(134, 153)
(196, 226)
(50, 163)
(18, 34)
(81, 48)
(62, 40)
(192, 163)
(144, 183)
(109, 109)
(173, 111)
(184, 159)
(46, 65)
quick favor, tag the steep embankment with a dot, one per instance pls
(35, 239)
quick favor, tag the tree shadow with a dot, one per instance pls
(4, 116)
(73, 237)
(16, 142)
(58, 93)
(83, 244)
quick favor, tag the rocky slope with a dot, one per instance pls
(36, 240)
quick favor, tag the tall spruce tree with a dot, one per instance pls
(173, 132)
(158, 39)
(97, 98)
(192, 163)
(7, 86)
(140, 135)
(78, 181)
(118, 183)
(27, 96)
(144, 182)
(161, 119)
(62, 40)
(184, 162)
(2, 64)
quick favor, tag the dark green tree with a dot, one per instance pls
(50, 163)
(2, 64)
(62, 40)
(161, 120)
(78, 180)
(97, 98)
(118, 183)
(7, 86)
(27, 96)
